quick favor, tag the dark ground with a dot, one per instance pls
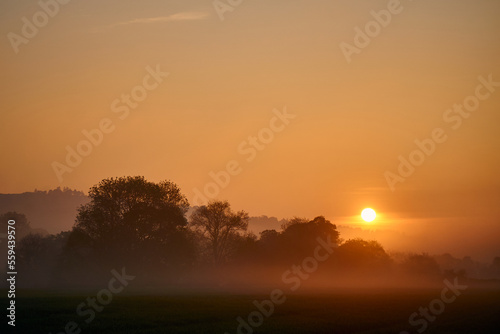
(475, 311)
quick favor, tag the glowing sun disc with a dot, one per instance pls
(368, 215)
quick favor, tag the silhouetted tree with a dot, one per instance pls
(245, 247)
(38, 258)
(293, 221)
(358, 255)
(22, 229)
(268, 248)
(22, 225)
(79, 256)
(421, 265)
(301, 236)
(131, 218)
(219, 225)
(269, 237)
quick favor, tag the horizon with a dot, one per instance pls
(392, 239)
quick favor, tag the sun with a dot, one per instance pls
(368, 215)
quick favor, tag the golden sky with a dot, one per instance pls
(227, 81)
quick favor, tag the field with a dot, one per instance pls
(475, 311)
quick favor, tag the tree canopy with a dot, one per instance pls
(219, 224)
(129, 215)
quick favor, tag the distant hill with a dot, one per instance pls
(53, 211)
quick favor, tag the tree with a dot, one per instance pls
(300, 236)
(269, 237)
(219, 225)
(358, 254)
(421, 265)
(294, 221)
(39, 256)
(129, 217)
(22, 225)
(21, 229)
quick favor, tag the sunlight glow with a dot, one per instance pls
(368, 215)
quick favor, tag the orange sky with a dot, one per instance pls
(352, 120)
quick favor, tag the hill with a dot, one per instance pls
(53, 210)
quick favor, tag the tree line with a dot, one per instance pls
(151, 229)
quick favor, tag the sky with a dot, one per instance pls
(304, 114)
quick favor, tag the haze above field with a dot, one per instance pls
(352, 120)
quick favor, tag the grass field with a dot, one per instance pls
(475, 311)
